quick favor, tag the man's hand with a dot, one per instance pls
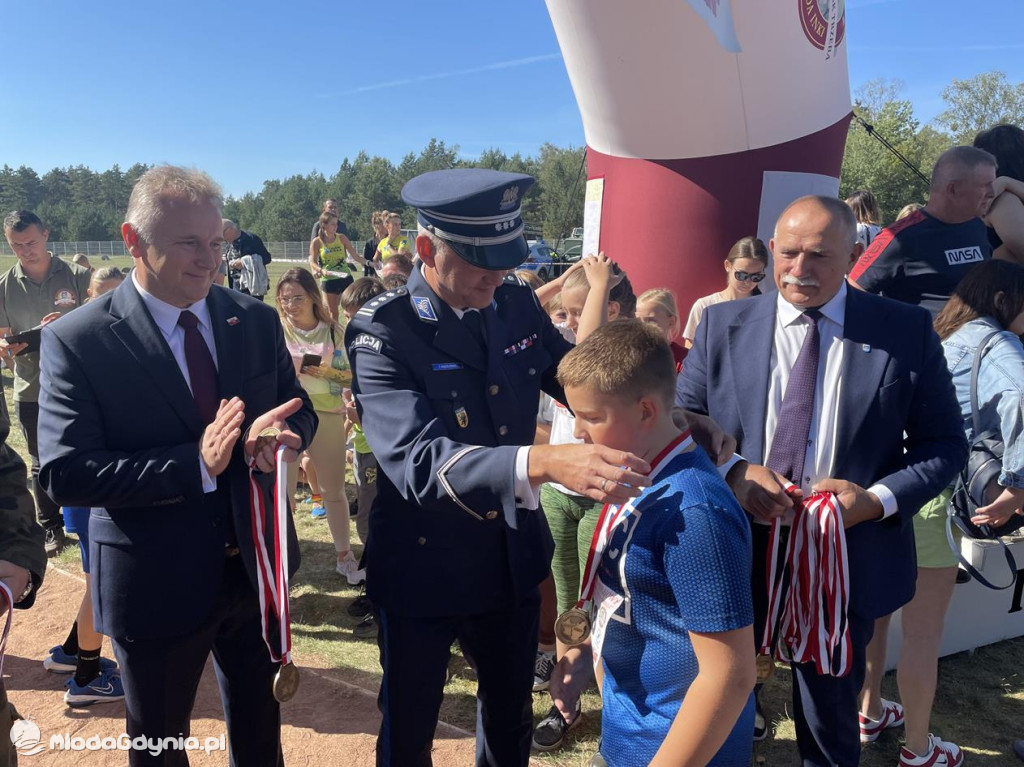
(719, 446)
(857, 504)
(569, 678)
(263, 449)
(16, 578)
(351, 413)
(760, 491)
(49, 318)
(220, 436)
(602, 473)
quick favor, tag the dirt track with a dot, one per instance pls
(329, 722)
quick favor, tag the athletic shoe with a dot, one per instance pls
(542, 668)
(349, 567)
(60, 662)
(871, 729)
(105, 688)
(549, 734)
(941, 753)
(366, 628)
(361, 606)
(760, 722)
(318, 511)
(54, 541)
(1018, 749)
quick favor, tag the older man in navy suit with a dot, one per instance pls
(153, 402)
(834, 390)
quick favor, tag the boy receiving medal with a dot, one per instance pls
(667, 582)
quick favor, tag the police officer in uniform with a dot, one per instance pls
(448, 371)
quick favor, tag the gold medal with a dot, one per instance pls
(765, 668)
(286, 682)
(572, 627)
(270, 432)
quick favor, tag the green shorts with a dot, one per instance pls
(930, 533)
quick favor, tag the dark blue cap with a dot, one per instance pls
(475, 211)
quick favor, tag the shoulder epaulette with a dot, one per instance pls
(371, 307)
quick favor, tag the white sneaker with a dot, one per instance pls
(349, 567)
(941, 753)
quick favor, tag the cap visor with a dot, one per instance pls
(502, 257)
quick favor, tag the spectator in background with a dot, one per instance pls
(309, 330)
(330, 206)
(82, 260)
(399, 263)
(921, 259)
(35, 291)
(659, 308)
(248, 259)
(532, 280)
(1005, 217)
(370, 247)
(744, 269)
(327, 257)
(394, 241)
(906, 210)
(869, 217)
(554, 309)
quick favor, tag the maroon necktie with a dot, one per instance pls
(201, 370)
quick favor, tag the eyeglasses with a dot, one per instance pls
(754, 277)
(292, 300)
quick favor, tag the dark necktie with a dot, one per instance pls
(474, 324)
(201, 371)
(789, 447)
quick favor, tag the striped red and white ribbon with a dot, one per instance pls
(808, 600)
(273, 582)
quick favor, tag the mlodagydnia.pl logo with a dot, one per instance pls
(27, 740)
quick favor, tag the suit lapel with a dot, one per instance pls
(228, 321)
(751, 337)
(863, 367)
(136, 329)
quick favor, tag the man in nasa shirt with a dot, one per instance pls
(921, 258)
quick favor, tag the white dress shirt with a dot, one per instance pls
(790, 331)
(165, 316)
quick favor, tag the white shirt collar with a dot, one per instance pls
(834, 310)
(166, 315)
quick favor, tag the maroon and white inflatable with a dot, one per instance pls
(703, 119)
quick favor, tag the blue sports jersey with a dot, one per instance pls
(681, 562)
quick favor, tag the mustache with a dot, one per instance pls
(789, 279)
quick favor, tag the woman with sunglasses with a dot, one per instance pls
(744, 269)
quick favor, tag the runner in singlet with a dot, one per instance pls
(327, 259)
(395, 242)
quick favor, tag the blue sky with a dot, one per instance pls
(257, 90)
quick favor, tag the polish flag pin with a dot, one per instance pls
(232, 320)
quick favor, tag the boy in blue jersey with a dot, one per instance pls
(668, 584)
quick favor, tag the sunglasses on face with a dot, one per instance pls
(754, 277)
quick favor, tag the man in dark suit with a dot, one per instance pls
(834, 390)
(154, 400)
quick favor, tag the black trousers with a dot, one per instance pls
(48, 511)
(824, 707)
(161, 677)
(414, 653)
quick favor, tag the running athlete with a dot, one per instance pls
(328, 261)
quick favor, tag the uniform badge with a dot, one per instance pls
(509, 198)
(366, 341)
(65, 299)
(424, 308)
(461, 417)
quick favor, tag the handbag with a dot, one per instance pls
(984, 463)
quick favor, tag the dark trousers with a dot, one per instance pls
(161, 677)
(824, 707)
(414, 653)
(48, 511)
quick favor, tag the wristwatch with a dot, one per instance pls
(26, 592)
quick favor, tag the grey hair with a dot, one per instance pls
(954, 164)
(227, 223)
(165, 181)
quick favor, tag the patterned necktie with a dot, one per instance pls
(789, 447)
(473, 320)
(201, 371)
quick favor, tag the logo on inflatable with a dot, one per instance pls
(816, 19)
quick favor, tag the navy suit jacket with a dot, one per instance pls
(445, 419)
(899, 422)
(119, 429)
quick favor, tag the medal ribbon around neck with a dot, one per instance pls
(611, 516)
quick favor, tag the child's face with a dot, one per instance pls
(572, 302)
(604, 419)
(656, 315)
(558, 316)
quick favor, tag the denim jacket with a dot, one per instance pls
(1000, 388)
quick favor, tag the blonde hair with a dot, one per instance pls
(166, 181)
(105, 274)
(666, 299)
(627, 359)
(622, 293)
(906, 210)
(554, 304)
(529, 278)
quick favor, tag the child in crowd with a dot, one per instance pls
(671, 638)
(95, 679)
(744, 269)
(364, 464)
(658, 307)
(556, 311)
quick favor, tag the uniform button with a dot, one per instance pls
(454, 394)
(492, 515)
(422, 541)
(532, 371)
(494, 389)
(503, 430)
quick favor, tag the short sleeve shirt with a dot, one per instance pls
(920, 260)
(24, 303)
(681, 563)
(697, 311)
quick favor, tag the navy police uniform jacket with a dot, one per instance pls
(445, 419)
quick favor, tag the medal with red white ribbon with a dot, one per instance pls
(574, 625)
(808, 600)
(272, 575)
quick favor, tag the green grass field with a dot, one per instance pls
(980, 704)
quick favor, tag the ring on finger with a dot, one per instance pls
(604, 485)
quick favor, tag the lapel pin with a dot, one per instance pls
(866, 348)
(233, 320)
